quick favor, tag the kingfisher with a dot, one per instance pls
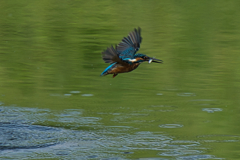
(123, 57)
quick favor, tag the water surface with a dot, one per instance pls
(54, 104)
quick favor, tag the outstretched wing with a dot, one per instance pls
(130, 44)
(111, 56)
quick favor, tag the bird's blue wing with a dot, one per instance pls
(129, 45)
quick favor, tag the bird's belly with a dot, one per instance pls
(122, 69)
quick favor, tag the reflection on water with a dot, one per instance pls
(54, 104)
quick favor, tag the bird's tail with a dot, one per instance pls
(105, 72)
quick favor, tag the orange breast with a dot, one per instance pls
(122, 69)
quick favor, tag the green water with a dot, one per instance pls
(49, 48)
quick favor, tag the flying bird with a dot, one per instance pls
(123, 57)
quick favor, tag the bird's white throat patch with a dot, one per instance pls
(132, 60)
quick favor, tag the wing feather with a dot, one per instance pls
(111, 56)
(130, 44)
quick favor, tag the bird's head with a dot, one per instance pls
(143, 58)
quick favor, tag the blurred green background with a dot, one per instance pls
(50, 48)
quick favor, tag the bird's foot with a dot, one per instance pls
(114, 75)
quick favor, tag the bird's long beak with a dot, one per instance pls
(154, 60)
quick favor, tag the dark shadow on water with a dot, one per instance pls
(22, 136)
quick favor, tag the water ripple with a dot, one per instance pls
(87, 95)
(212, 110)
(197, 157)
(186, 94)
(72, 138)
(75, 92)
(171, 126)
